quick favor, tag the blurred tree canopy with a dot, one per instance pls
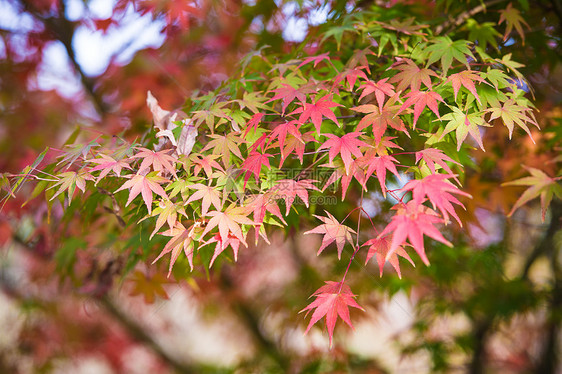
(411, 91)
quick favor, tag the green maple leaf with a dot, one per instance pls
(512, 66)
(253, 101)
(337, 32)
(484, 33)
(540, 185)
(513, 19)
(512, 113)
(464, 124)
(74, 151)
(69, 181)
(446, 50)
(209, 116)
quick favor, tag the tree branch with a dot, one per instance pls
(63, 31)
(138, 333)
(455, 22)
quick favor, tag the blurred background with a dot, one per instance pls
(491, 304)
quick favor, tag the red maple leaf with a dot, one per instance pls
(412, 221)
(288, 94)
(380, 247)
(421, 99)
(262, 203)
(411, 75)
(253, 123)
(280, 132)
(315, 59)
(253, 165)
(296, 144)
(350, 75)
(346, 146)
(379, 165)
(289, 189)
(315, 111)
(333, 232)
(144, 185)
(465, 78)
(231, 241)
(438, 190)
(381, 89)
(332, 300)
(380, 119)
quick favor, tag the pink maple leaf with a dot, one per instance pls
(345, 146)
(412, 221)
(332, 300)
(333, 231)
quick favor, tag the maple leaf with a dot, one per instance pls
(412, 221)
(253, 164)
(228, 222)
(253, 123)
(225, 145)
(540, 185)
(511, 113)
(484, 33)
(438, 190)
(380, 165)
(280, 132)
(205, 162)
(315, 59)
(421, 99)
(167, 212)
(465, 78)
(380, 247)
(337, 31)
(231, 241)
(149, 287)
(106, 164)
(464, 124)
(380, 120)
(209, 195)
(332, 300)
(75, 151)
(432, 156)
(289, 189)
(253, 101)
(68, 181)
(512, 18)
(182, 239)
(411, 75)
(288, 94)
(144, 185)
(346, 146)
(351, 75)
(355, 171)
(160, 161)
(262, 203)
(381, 89)
(216, 110)
(333, 231)
(315, 111)
(405, 26)
(446, 50)
(297, 145)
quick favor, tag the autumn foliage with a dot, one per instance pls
(374, 107)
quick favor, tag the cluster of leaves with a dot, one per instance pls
(399, 101)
